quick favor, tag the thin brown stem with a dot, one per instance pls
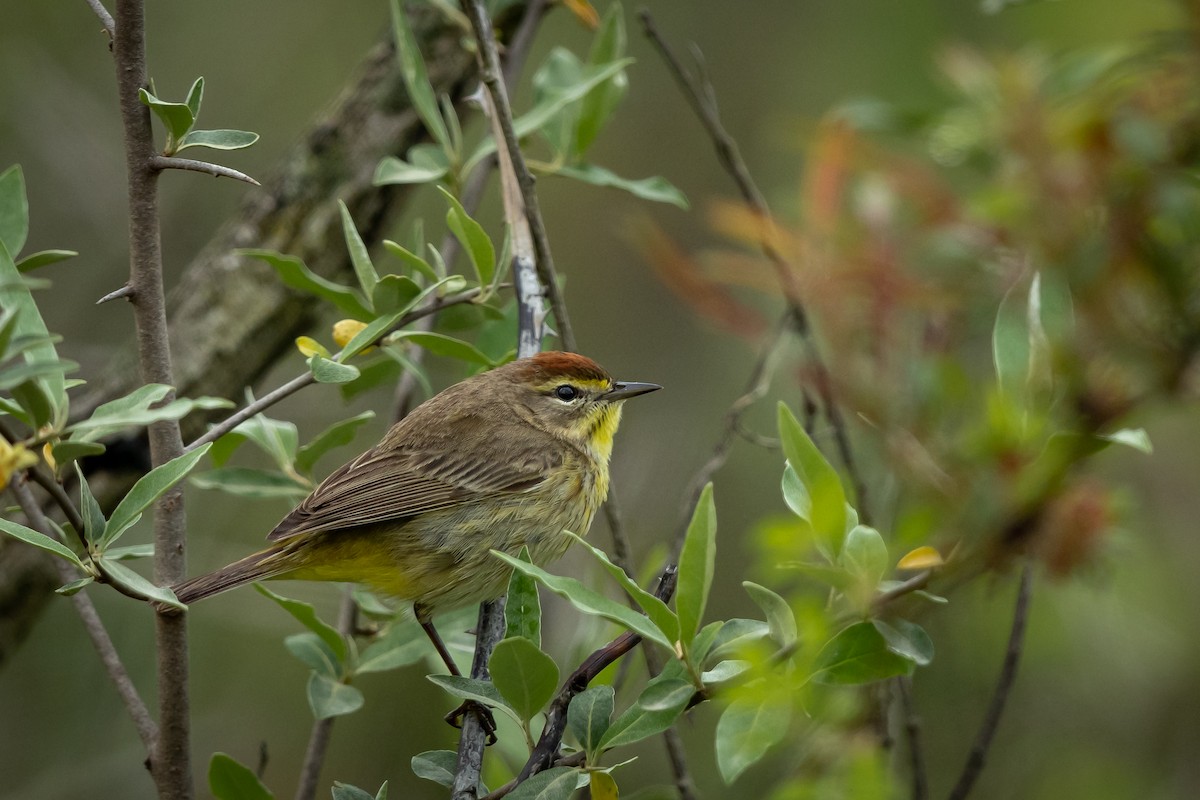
(306, 379)
(94, 627)
(912, 730)
(190, 164)
(702, 98)
(171, 762)
(322, 729)
(1008, 676)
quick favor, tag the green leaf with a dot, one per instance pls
(64, 452)
(344, 791)
(477, 690)
(176, 117)
(523, 611)
(472, 237)
(325, 370)
(251, 482)
(795, 494)
(14, 376)
(134, 410)
(219, 139)
(426, 163)
(588, 717)
(907, 640)
(858, 654)
(129, 553)
(137, 585)
(438, 766)
(1137, 438)
(89, 509)
(525, 676)
(369, 335)
(338, 434)
(46, 396)
(747, 729)
(1011, 352)
(697, 562)
(312, 651)
(14, 211)
(359, 257)
(30, 536)
(294, 273)
(865, 557)
(195, 97)
(655, 609)
(639, 722)
(68, 589)
(418, 264)
(276, 437)
(394, 293)
(412, 68)
(330, 698)
(43, 258)
(781, 622)
(403, 644)
(656, 189)
(724, 671)
(229, 780)
(819, 478)
(306, 616)
(597, 105)
(151, 486)
(556, 783)
(589, 601)
(734, 635)
(442, 345)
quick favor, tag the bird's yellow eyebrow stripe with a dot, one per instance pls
(583, 383)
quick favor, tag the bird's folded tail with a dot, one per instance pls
(257, 567)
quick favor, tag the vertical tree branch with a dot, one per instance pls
(146, 729)
(170, 763)
(912, 729)
(1004, 684)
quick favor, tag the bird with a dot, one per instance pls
(505, 459)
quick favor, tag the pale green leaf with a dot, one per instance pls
(219, 139)
(331, 698)
(697, 562)
(229, 780)
(151, 486)
(524, 675)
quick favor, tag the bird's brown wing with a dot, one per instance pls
(383, 485)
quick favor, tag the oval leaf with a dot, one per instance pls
(524, 675)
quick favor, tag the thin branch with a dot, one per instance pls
(105, 18)
(490, 74)
(1008, 676)
(573, 760)
(912, 729)
(322, 729)
(146, 729)
(170, 762)
(702, 98)
(913, 584)
(116, 294)
(556, 716)
(216, 170)
(305, 379)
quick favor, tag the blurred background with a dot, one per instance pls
(1106, 704)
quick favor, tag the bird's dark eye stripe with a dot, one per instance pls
(566, 392)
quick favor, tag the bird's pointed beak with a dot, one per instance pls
(623, 390)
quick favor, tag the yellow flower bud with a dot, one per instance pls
(13, 458)
(345, 330)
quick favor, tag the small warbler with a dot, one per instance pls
(505, 459)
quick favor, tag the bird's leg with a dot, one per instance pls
(455, 717)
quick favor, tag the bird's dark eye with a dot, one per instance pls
(566, 393)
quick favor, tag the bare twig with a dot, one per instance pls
(305, 379)
(912, 729)
(1004, 684)
(105, 18)
(216, 170)
(702, 98)
(556, 716)
(322, 729)
(170, 762)
(116, 294)
(93, 625)
(913, 584)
